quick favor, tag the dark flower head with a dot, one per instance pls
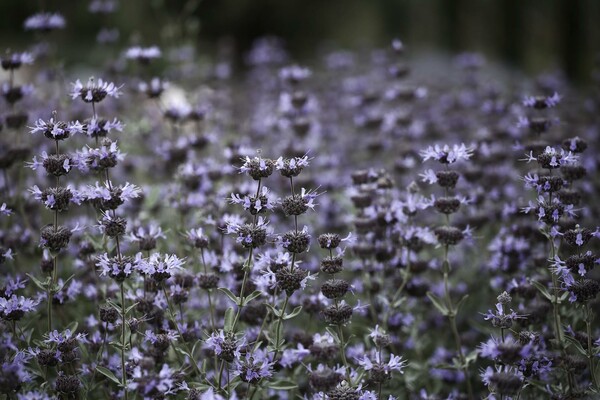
(13, 94)
(15, 307)
(45, 22)
(446, 154)
(254, 367)
(257, 167)
(154, 88)
(56, 130)
(94, 92)
(541, 102)
(12, 61)
(143, 54)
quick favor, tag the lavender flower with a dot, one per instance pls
(56, 130)
(143, 54)
(446, 154)
(160, 266)
(4, 210)
(15, 307)
(254, 367)
(12, 61)
(44, 22)
(540, 102)
(94, 91)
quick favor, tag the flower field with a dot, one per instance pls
(363, 225)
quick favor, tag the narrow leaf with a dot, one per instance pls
(230, 294)
(228, 327)
(438, 303)
(294, 312)
(108, 373)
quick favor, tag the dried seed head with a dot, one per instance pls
(449, 235)
(335, 288)
(324, 379)
(294, 205)
(57, 199)
(329, 240)
(585, 290)
(47, 358)
(114, 227)
(296, 241)
(253, 236)
(208, 281)
(55, 240)
(360, 177)
(108, 314)
(447, 205)
(505, 383)
(338, 314)
(361, 200)
(344, 392)
(258, 168)
(68, 385)
(332, 265)
(447, 179)
(289, 279)
(55, 164)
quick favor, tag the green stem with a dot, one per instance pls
(279, 322)
(590, 354)
(123, 322)
(343, 351)
(174, 321)
(452, 320)
(210, 305)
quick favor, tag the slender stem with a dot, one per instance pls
(343, 353)
(279, 322)
(210, 305)
(452, 320)
(246, 267)
(590, 354)
(174, 320)
(221, 368)
(252, 393)
(123, 322)
(262, 328)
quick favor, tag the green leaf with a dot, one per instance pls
(230, 294)
(446, 266)
(252, 296)
(282, 385)
(182, 351)
(131, 307)
(41, 285)
(275, 311)
(108, 373)
(333, 334)
(73, 326)
(438, 303)
(294, 312)
(65, 283)
(542, 289)
(461, 302)
(228, 326)
(576, 343)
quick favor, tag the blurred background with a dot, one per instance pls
(534, 36)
